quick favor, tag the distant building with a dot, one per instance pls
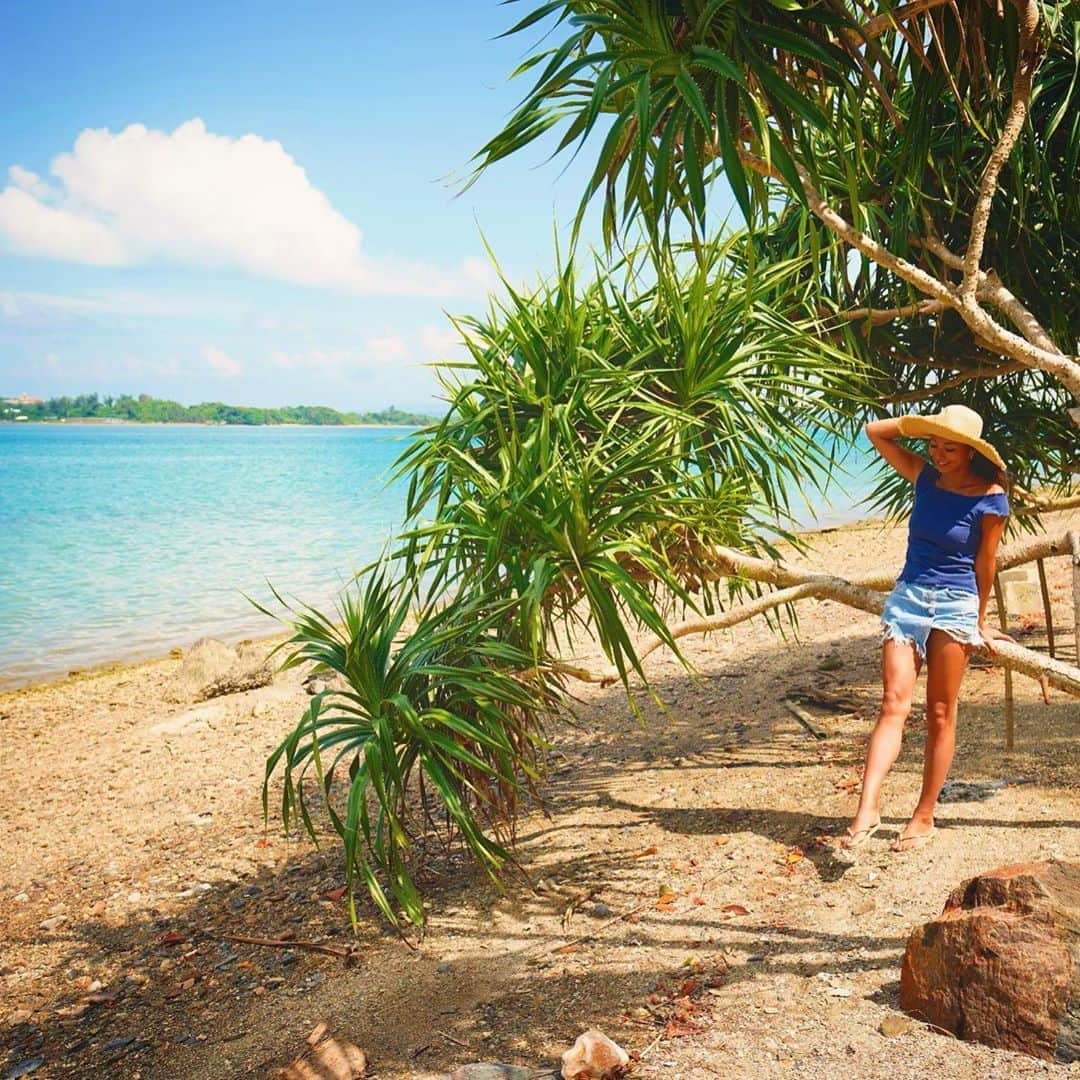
(25, 399)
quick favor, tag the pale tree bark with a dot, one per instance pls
(1032, 347)
(866, 593)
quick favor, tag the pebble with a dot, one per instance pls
(118, 1044)
(894, 1025)
(52, 923)
(21, 898)
(25, 1068)
(483, 1070)
(601, 910)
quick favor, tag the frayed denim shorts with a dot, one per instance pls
(912, 611)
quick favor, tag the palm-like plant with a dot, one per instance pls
(924, 156)
(434, 705)
(599, 444)
(605, 443)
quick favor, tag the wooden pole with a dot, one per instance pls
(1041, 564)
(1074, 546)
(1003, 618)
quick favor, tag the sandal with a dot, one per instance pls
(904, 844)
(851, 840)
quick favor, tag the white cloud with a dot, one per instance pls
(33, 228)
(203, 200)
(220, 361)
(386, 348)
(39, 309)
(29, 181)
(440, 343)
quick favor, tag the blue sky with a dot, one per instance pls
(247, 202)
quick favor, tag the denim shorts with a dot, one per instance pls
(912, 611)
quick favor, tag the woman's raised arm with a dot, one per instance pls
(883, 434)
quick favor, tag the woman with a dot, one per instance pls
(937, 612)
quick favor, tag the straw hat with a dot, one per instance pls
(957, 423)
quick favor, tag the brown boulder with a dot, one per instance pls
(1001, 964)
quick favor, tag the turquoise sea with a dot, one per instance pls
(124, 540)
(120, 541)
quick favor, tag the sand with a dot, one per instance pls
(133, 841)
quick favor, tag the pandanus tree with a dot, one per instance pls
(620, 453)
(925, 155)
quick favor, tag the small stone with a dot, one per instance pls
(118, 1044)
(52, 923)
(894, 1025)
(865, 907)
(595, 1056)
(134, 897)
(21, 898)
(330, 1060)
(25, 1068)
(483, 1070)
(601, 910)
(443, 968)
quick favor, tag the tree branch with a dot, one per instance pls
(1064, 368)
(1010, 132)
(866, 594)
(1040, 504)
(955, 380)
(880, 23)
(994, 291)
(880, 316)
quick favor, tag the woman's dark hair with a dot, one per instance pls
(986, 470)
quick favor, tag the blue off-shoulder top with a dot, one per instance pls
(944, 534)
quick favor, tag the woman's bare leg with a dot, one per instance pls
(899, 670)
(946, 662)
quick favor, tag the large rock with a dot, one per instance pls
(1001, 965)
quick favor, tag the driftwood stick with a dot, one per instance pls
(342, 952)
(1047, 607)
(1074, 547)
(805, 719)
(1003, 618)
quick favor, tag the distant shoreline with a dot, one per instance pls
(92, 421)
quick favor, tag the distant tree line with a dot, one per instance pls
(150, 410)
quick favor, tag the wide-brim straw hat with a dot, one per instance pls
(957, 423)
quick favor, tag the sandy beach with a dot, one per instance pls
(692, 847)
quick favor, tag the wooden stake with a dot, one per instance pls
(1003, 618)
(1040, 563)
(1074, 547)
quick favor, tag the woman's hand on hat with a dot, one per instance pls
(990, 634)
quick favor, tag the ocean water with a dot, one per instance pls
(121, 541)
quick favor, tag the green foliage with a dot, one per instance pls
(438, 697)
(601, 439)
(606, 435)
(149, 410)
(893, 127)
(599, 443)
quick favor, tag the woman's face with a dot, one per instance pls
(950, 458)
